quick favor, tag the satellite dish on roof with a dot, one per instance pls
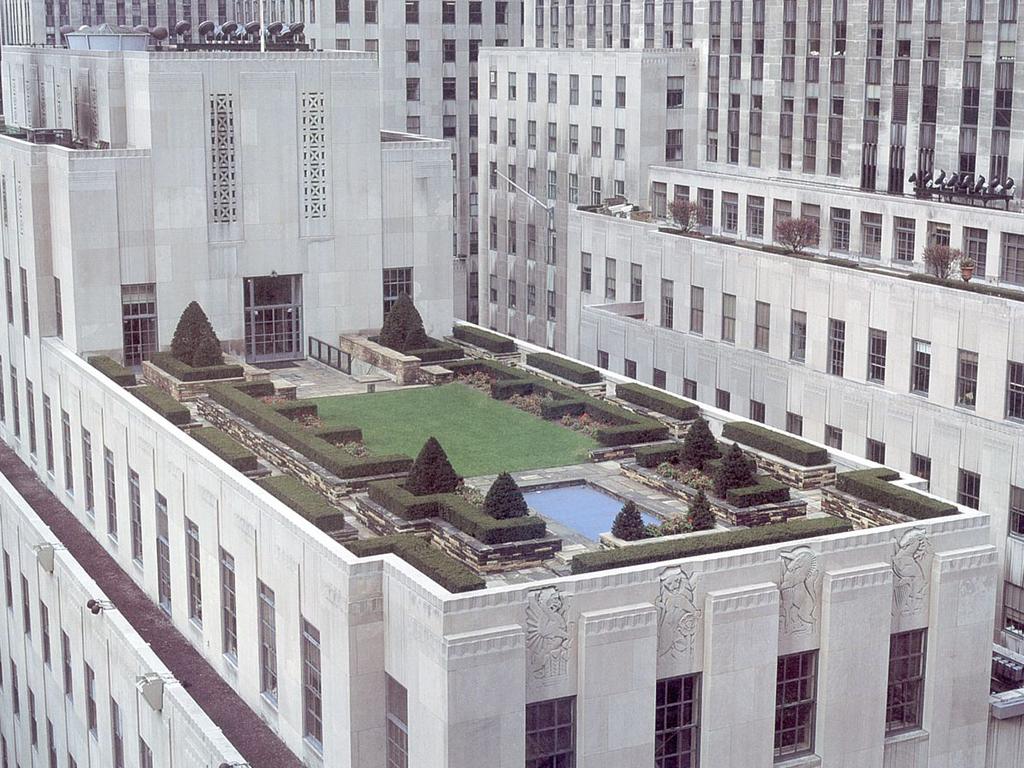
(159, 33)
(182, 28)
(206, 28)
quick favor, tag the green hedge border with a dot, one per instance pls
(767, 490)
(113, 370)
(227, 448)
(168, 363)
(578, 373)
(436, 565)
(675, 549)
(333, 458)
(478, 337)
(785, 447)
(873, 485)
(164, 404)
(305, 501)
(655, 400)
(650, 456)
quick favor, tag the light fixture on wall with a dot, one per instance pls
(44, 554)
(151, 686)
(96, 606)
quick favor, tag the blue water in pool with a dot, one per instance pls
(582, 508)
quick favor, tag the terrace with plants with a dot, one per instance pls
(503, 463)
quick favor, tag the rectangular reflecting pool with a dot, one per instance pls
(585, 509)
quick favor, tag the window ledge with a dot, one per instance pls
(803, 761)
(918, 734)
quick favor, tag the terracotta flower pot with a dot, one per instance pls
(966, 272)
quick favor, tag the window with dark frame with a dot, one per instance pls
(58, 307)
(968, 489)
(904, 699)
(921, 466)
(312, 682)
(659, 378)
(690, 388)
(87, 477)
(836, 346)
(163, 554)
(135, 514)
(795, 704)
(69, 465)
(696, 309)
(1014, 391)
(138, 322)
(966, 378)
(757, 411)
(551, 733)
(110, 489)
(920, 366)
(26, 312)
(798, 336)
(876, 355)
(30, 410)
(396, 280)
(1013, 608)
(833, 437)
(267, 641)
(875, 451)
(1016, 511)
(762, 325)
(229, 607)
(728, 318)
(397, 723)
(193, 571)
(677, 722)
(794, 423)
(667, 303)
(723, 399)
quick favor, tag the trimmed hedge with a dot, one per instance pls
(873, 485)
(312, 446)
(164, 404)
(339, 435)
(445, 570)
(264, 388)
(566, 369)
(478, 337)
(225, 446)
(456, 510)
(297, 409)
(113, 370)
(438, 351)
(785, 447)
(650, 456)
(657, 551)
(165, 361)
(304, 500)
(661, 402)
(629, 434)
(767, 490)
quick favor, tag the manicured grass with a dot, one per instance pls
(481, 436)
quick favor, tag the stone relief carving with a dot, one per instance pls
(799, 598)
(678, 614)
(910, 573)
(548, 634)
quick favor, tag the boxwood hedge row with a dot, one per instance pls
(478, 337)
(165, 361)
(304, 500)
(225, 446)
(767, 490)
(445, 570)
(123, 377)
(164, 404)
(578, 373)
(873, 485)
(661, 402)
(650, 456)
(763, 439)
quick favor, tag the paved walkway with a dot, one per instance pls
(243, 728)
(314, 379)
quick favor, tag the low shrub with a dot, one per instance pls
(437, 351)
(566, 369)
(661, 402)
(113, 370)
(791, 530)
(195, 341)
(767, 490)
(650, 456)
(784, 446)
(629, 434)
(297, 409)
(736, 470)
(185, 372)
(478, 337)
(264, 388)
(873, 485)
(304, 500)
(331, 457)
(227, 448)
(699, 445)
(164, 404)
(432, 472)
(339, 435)
(701, 517)
(628, 524)
(395, 499)
(403, 327)
(446, 571)
(504, 500)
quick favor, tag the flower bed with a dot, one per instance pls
(445, 570)
(164, 404)
(763, 439)
(656, 551)
(222, 444)
(309, 504)
(874, 485)
(113, 370)
(478, 337)
(185, 372)
(658, 401)
(565, 369)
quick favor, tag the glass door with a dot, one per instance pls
(273, 318)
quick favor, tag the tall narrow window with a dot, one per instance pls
(25, 311)
(90, 699)
(677, 722)
(229, 607)
(1015, 390)
(586, 272)
(762, 325)
(728, 317)
(16, 409)
(110, 488)
(145, 754)
(135, 514)
(921, 466)
(836, 346)
(58, 306)
(65, 655)
(30, 409)
(9, 290)
(1016, 511)
(268, 642)
(969, 489)
(116, 734)
(194, 572)
(69, 465)
(163, 554)
(920, 366)
(876, 355)
(551, 733)
(48, 433)
(636, 282)
(609, 279)
(795, 702)
(798, 336)
(44, 631)
(87, 481)
(138, 322)
(397, 705)
(966, 378)
(667, 303)
(905, 695)
(312, 701)
(696, 309)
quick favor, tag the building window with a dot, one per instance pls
(795, 699)
(674, 144)
(755, 216)
(90, 700)
(58, 307)
(903, 239)
(660, 378)
(145, 755)
(268, 642)
(871, 235)
(1013, 609)
(905, 694)
(798, 336)
(229, 607)
(1012, 261)
(875, 451)
(667, 303)
(69, 466)
(30, 407)
(585, 272)
(1015, 390)
(730, 212)
(87, 483)
(921, 466)
(836, 346)
(609, 279)
(194, 572)
(397, 706)
(728, 317)
(762, 325)
(312, 698)
(110, 489)
(629, 368)
(674, 92)
(397, 280)
(840, 225)
(116, 734)
(9, 290)
(138, 322)
(620, 92)
(794, 423)
(876, 355)
(976, 248)
(551, 733)
(26, 607)
(920, 366)
(26, 314)
(602, 359)
(15, 407)
(690, 388)
(968, 489)
(723, 399)
(48, 433)
(636, 282)
(163, 554)
(757, 411)
(65, 654)
(966, 378)
(696, 309)
(135, 514)
(677, 722)
(833, 437)
(1016, 511)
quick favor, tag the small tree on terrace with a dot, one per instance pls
(403, 326)
(940, 259)
(699, 445)
(504, 500)
(432, 472)
(686, 213)
(628, 524)
(195, 342)
(736, 471)
(702, 518)
(796, 234)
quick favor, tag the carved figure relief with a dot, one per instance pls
(548, 634)
(799, 598)
(910, 563)
(678, 614)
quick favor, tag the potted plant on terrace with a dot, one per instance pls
(967, 265)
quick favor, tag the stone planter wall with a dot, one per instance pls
(793, 475)
(483, 558)
(608, 541)
(405, 369)
(863, 514)
(191, 390)
(762, 514)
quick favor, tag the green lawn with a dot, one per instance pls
(481, 436)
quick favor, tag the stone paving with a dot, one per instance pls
(314, 379)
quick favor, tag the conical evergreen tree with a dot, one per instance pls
(504, 500)
(736, 471)
(699, 445)
(628, 524)
(702, 517)
(432, 472)
(403, 326)
(195, 342)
